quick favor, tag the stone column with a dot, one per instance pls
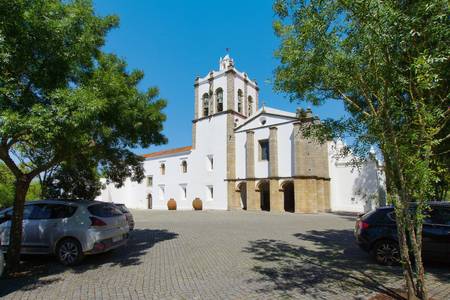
(253, 197)
(326, 185)
(233, 200)
(273, 152)
(230, 90)
(253, 201)
(320, 188)
(196, 111)
(276, 196)
(305, 189)
(244, 103)
(250, 155)
(212, 96)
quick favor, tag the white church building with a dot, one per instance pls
(244, 156)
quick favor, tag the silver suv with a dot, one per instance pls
(68, 229)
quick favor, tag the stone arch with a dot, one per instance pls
(242, 190)
(205, 104)
(219, 99)
(250, 105)
(263, 187)
(287, 187)
(240, 101)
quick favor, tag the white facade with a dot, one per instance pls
(201, 170)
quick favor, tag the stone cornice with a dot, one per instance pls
(278, 178)
(228, 111)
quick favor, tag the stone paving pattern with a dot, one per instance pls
(224, 255)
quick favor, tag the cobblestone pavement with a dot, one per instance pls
(224, 255)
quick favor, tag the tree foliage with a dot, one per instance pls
(63, 100)
(388, 62)
(76, 180)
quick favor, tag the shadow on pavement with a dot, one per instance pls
(331, 264)
(35, 269)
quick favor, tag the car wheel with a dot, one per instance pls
(69, 252)
(386, 252)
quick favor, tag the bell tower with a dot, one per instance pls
(222, 98)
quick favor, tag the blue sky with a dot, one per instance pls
(174, 41)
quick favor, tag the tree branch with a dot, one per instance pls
(4, 155)
(352, 103)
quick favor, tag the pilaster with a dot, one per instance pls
(273, 152)
(320, 189)
(276, 197)
(230, 90)
(245, 104)
(253, 197)
(250, 155)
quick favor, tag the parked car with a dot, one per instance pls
(68, 229)
(127, 214)
(376, 233)
(2, 262)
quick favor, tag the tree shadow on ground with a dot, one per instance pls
(331, 265)
(35, 268)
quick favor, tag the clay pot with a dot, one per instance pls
(172, 204)
(197, 204)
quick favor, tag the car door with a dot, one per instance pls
(435, 235)
(56, 222)
(33, 224)
(5, 226)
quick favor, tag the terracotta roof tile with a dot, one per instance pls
(168, 152)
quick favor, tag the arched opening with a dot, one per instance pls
(250, 105)
(264, 194)
(239, 104)
(243, 194)
(149, 201)
(163, 169)
(184, 166)
(205, 103)
(288, 192)
(219, 97)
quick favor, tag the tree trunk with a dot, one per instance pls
(15, 235)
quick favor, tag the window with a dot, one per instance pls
(250, 105)
(219, 97)
(183, 191)
(149, 181)
(205, 102)
(264, 150)
(210, 162)
(210, 192)
(104, 210)
(240, 97)
(163, 168)
(184, 166)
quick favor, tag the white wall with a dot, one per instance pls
(352, 189)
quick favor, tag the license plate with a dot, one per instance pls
(117, 238)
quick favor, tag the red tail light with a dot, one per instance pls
(363, 225)
(97, 222)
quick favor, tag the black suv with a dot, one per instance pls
(376, 233)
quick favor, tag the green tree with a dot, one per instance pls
(7, 188)
(62, 98)
(388, 63)
(76, 180)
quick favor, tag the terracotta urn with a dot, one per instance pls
(197, 204)
(172, 204)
